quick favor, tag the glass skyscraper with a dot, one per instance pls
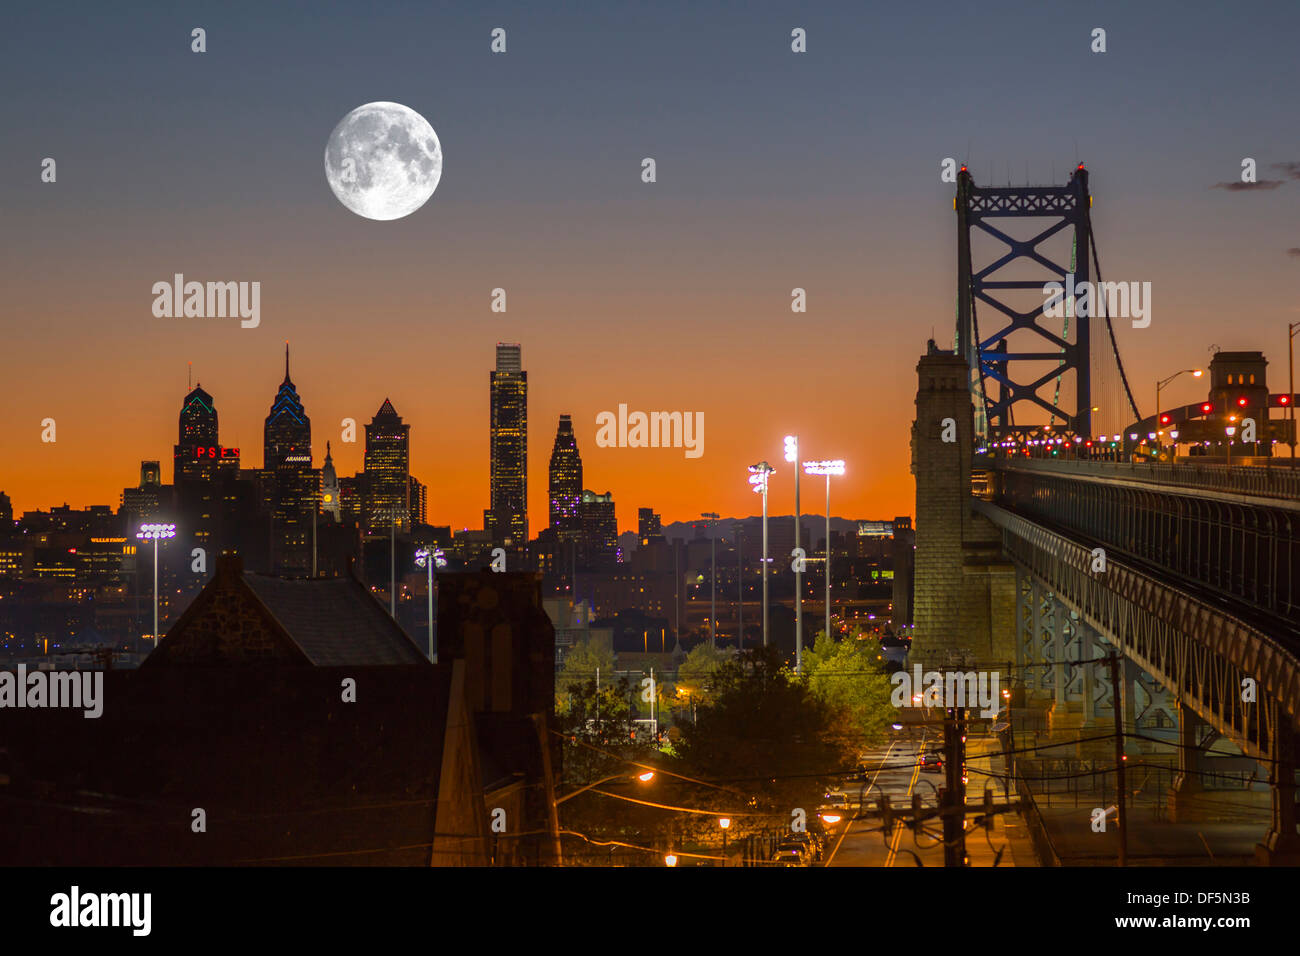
(506, 518)
(286, 459)
(388, 470)
(566, 480)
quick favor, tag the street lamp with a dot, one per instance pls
(670, 859)
(1161, 383)
(1230, 430)
(758, 476)
(826, 468)
(644, 777)
(725, 823)
(792, 456)
(155, 533)
(1292, 329)
(713, 578)
(431, 559)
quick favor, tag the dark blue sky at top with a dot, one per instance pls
(711, 89)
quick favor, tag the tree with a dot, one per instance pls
(765, 733)
(695, 673)
(847, 677)
(580, 665)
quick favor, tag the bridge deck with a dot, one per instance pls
(1277, 484)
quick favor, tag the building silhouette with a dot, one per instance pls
(387, 491)
(566, 480)
(506, 518)
(293, 483)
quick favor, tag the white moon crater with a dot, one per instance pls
(383, 161)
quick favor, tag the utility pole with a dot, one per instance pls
(1117, 706)
(713, 578)
(740, 585)
(1292, 328)
(953, 805)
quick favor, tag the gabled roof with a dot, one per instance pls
(241, 619)
(335, 621)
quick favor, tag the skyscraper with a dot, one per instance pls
(648, 524)
(387, 470)
(506, 518)
(296, 492)
(196, 433)
(600, 532)
(566, 480)
(329, 486)
(419, 499)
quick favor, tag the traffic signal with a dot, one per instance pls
(1243, 401)
(1164, 419)
(1207, 407)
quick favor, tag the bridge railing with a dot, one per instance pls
(1263, 481)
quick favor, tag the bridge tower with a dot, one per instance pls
(965, 591)
(1007, 377)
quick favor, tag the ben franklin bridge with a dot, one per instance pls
(1057, 525)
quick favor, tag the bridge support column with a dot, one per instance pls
(1281, 846)
(1087, 650)
(1128, 678)
(1188, 783)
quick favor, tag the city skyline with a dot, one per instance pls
(667, 295)
(287, 433)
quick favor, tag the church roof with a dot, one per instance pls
(334, 621)
(249, 618)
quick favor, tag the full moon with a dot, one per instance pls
(383, 161)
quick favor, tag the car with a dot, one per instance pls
(810, 841)
(795, 845)
(930, 763)
(789, 858)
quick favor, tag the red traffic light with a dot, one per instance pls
(1164, 419)
(1207, 408)
(1243, 401)
(1284, 400)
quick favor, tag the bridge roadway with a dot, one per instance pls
(1203, 573)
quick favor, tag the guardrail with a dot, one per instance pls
(1262, 481)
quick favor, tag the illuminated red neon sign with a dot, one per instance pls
(215, 452)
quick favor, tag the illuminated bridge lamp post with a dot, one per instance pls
(1161, 383)
(155, 533)
(1230, 430)
(758, 475)
(792, 456)
(430, 559)
(1292, 329)
(826, 468)
(724, 823)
